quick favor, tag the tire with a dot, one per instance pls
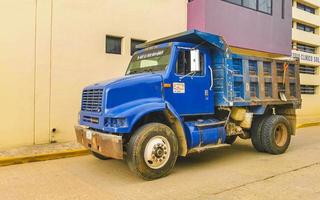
(256, 131)
(276, 134)
(230, 139)
(99, 156)
(152, 151)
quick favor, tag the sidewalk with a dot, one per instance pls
(40, 153)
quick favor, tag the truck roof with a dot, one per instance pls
(191, 36)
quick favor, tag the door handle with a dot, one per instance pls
(211, 75)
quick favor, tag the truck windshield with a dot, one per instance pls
(149, 61)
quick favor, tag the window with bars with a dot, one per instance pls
(304, 69)
(264, 6)
(306, 28)
(306, 8)
(306, 48)
(308, 89)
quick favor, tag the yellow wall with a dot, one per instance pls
(17, 68)
(51, 49)
(310, 112)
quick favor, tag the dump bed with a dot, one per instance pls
(248, 81)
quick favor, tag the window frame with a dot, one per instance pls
(305, 8)
(176, 62)
(106, 44)
(314, 49)
(312, 88)
(304, 27)
(257, 6)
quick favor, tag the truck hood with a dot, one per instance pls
(130, 88)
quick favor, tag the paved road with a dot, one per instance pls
(236, 172)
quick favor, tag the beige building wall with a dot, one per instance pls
(310, 112)
(17, 72)
(51, 49)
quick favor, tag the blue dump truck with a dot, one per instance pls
(188, 93)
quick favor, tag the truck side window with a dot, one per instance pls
(183, 65)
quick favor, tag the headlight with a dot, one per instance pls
(115, 122)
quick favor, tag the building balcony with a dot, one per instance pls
(306, 37)
(303, 16)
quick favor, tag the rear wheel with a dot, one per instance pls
(276, 134)
(256, 131)
(152, 151)
(99, 156)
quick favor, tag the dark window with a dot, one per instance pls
(306, 48)
(183, 63)
(307, 69)
(134, 43)
(264, 6)
(306, 8)
(306, 28)
(308, 89)
(113, 44)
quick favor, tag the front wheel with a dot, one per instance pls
(152, 151)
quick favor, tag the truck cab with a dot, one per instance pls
(187, 93)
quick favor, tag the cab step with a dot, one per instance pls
(207, 147)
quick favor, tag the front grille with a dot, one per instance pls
(90, 119)
(92, 100)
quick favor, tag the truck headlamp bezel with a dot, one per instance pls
(115, 122)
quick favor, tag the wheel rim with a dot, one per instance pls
(281, 135)
(157, 152)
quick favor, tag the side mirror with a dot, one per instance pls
(195, 60)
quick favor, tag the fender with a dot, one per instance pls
(134, 110)
(178, 128)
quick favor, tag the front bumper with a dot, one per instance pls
(105, 144)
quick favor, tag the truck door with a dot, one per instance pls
(190, 92)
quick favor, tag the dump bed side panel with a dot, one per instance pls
(248, 81)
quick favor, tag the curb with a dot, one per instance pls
(309, 125)
(42, 157)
